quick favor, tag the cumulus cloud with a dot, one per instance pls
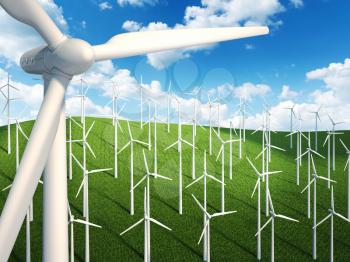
(248, 90)
(136, 2)
(218, 13)
(297, 3)
(287, 93)
(104, 6)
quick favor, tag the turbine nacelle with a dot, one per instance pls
(71, 57)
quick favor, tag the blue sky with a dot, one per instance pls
(304, 36)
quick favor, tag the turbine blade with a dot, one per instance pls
(308, 185)
(220, 152)
(255, 187)
(123, 148)
(200, 205)
(131, 227)
(341, 141)
(195, 181)
(75, 122)
(313, 151)
(215, 179)
(202, 234)
(100, 170)
(90, 149)
(323, 220)
(138, 183)
(262, 151)
(171, 146)
(326, 179)
(223, 213)
(256, 171)
(159, 224)
(278, 148)
(77, 161)
(145, 161)
(342, 217)
(86, 223)
(270, 201)
(287, 218)
(128, 44)
(262, 228)
(6, 188)
(325, 141)
(81, 185)
(89, 130)
(162, 177)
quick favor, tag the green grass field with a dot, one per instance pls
(232, 237)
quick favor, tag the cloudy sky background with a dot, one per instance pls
(304, 61)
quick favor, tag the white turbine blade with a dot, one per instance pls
(75, 122)
(6, 188)
(200, 205)
(120, 127)
(32, 13)
(261, 229)
(86, 223)
(308, 185)
(220, 152)
(138, 183)
(81, 185)
(162, 177)
(223, 213)
(215, 179)
(130, 134)
(203, 231)
(21, 130)
(123, 148)
(188, 143)
(134, 225)
(313, 151)
(347, 163)
(171, 146)
(128, 44)
(216, 133)
(341, 216)
(270, 201)
(77, 161)
(100, 170)
(195, 181)
(323, 220)
(325, 141)
(287, 218)
(326, 179)
(303, 154)
(278, 148)
(341, 141)
(272, 173)
(331, 119)
(255, 187)
(69, 211)
(145, 161)
(290, 134)
(313, 164)
(262, 151)
(89, 130)
(90, 149)
(140, 142)
(256, 171)
(159, 224)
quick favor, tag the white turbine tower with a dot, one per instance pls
(242, 111)
(328, 141)
(222, 153)
(259, 175)
(147, 219)
(168, 104)
(131, 143)
(317, 118)
(347, 165)
(292, 112)
(64, 58)
(334, 124)
(7, 106)
(331, 215)
(206, 229)
(309, 151)
(149, 101)
(85, 184)
(195, 94)
(211, 105)
(71, 221)
(272, 218)
(179, 142)
(231, 151)
(314, 181)
(204, 177)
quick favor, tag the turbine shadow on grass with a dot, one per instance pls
(186, 245)
(308, 254)
(105, 196)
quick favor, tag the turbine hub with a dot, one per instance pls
(71, 57)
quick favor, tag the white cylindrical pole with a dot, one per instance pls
(210, 131)
(329, 162)
(149, 127)
(331, 240)
(272, 240)
(180, 178)
(27, 237)
(259, 224)
(72, 240)
(223, 178)
(155, 142)
(298, 159)
(230, 151)
(70, 150)
(208, 247)
(349, 187)
(8, 119)
(87, 227)
(314, 232)
(333, 164)
(193, 151)
(308, 182)
(267, 183)
(132, 178)
(205, 243)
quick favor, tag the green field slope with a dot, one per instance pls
(232, 237)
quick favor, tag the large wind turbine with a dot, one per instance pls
(334, 124)
(317, 117)
(64, 58)
(292, 112)
(7, 106)
(211, 105)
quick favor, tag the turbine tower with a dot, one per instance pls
(334, 124)
(291, 123)
(317, 117)
(64, 58)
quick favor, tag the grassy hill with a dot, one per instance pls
(232, 237)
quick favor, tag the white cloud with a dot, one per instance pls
(287, 93)
(297, 3)
(131, 26)
(249, 46)
(104, 6)
(212, 13)
(247, 91)
(136, 2)
(16, 37)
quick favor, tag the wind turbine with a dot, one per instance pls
(149, 124)
(131, 143)
(195, 94)
(257, 187)
(242, 110)
(116, 124)
(206, 229)
(85, 184)
(292, 112)
(347, 166)
(71, 221)
(317, 117)
(314, 181)
(334, 124)
(168, 102)
(179, 142)
(328, 139)
(272, 218)
(309, 151)
(211, 105)
(141, 104)
(64, 58)
(267, 151)
(331, 215)
(231, 153)
(147, 219)
(8, 98)
(222, 153)
(204, 177)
